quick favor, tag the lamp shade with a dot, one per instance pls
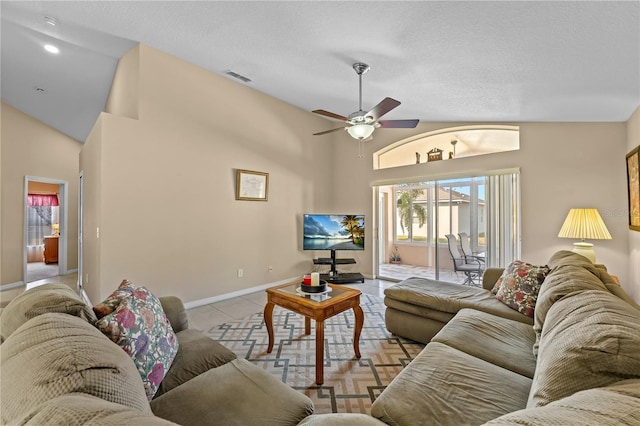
(585, 224)
(361, 131)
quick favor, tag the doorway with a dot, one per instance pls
(45, 228)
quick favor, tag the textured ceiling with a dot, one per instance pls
(445, 61)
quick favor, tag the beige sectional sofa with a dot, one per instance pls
(57, 368)
(576, 362)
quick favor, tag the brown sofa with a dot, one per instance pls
(58, 369)
(576, 362)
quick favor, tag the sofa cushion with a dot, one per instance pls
(590, 339)
(197, 353)
(78, 409)
(445, 385)
(40, 300)
(341, 419)
(236, 393)
(500, 341)
(55, 354)
(175, 311)
(618, 404)
(570, 273)
(519, 285)
(140, 327)
(449, 298)
(111, 303)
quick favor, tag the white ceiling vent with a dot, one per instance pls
(238, 76)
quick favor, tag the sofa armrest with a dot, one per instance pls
(490, 277)
(174, 310)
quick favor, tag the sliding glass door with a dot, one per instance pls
(460, 210)
(482, 211)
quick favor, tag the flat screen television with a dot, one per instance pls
(333, 232)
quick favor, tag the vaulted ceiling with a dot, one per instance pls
(475, 61)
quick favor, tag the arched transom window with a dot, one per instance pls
(450, 143)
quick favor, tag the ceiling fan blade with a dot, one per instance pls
(385, 105)
(330, 114)
(329, 131)
(405, 124)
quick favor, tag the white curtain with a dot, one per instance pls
(42, 212)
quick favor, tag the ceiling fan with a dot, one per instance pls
(361, 124)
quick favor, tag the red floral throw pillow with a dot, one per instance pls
(111, 303)
(519, 285)
(140, 327)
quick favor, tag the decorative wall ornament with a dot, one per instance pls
(252, 186)
(434, 155)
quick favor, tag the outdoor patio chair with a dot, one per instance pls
(466, 248)
(471, 268)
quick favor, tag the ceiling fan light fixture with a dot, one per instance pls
(361, 131)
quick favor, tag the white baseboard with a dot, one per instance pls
(214, 299)
(12, 285)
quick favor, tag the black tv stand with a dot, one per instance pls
(335, 277)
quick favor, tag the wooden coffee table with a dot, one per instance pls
(318, 308)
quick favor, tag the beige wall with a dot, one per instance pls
(562, 165)
(167, 212)
(159, 179)
(31, 148)
(632, 283)
(91, 169)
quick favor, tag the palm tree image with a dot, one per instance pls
(405, 210)
(353, 225)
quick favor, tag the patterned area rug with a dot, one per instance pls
(350, 384)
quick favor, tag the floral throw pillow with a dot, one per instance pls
(124, 290)
(519, 285)
(141, 328)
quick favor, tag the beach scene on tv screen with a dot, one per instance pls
(333, 232)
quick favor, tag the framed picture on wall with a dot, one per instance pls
(252, 186)
(633, 189)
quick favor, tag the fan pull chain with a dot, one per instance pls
(360, 148)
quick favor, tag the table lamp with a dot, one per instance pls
(585, 224)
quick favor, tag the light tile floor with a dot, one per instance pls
(37, 271)
(402, 272)
(71, 280)
(207, 316)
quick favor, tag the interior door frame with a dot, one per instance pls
(63, 196)
(80, 231)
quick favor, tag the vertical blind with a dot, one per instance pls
(503, 221)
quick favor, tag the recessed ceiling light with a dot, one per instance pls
(51, 48)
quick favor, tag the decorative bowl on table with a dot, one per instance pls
(322, 287)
